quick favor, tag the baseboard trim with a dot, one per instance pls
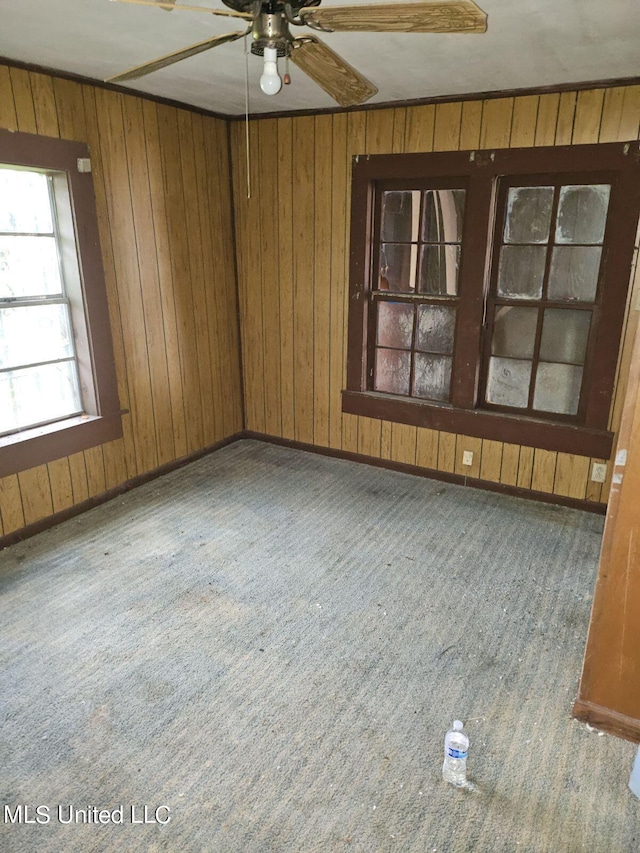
(607, 720)
(432, 474)
(445, 476)
(64, 514)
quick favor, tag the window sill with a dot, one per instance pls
(564, 438)
(39, 445)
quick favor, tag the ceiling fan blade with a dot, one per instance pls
(456, 16)
(331, 72)
(170, 58)
(168, 6)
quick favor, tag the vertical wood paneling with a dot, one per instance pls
(23, 101)
(115, 462)
(566, 115)
(285, 272)
(547, 119)
(586, 126)
(419, 125)
(35, 490)
(163, 205)
(446, 135)
(337, 360)
(8, 118)
(160, 236)
(356, 141)
(523, 126)
(150, 307)
(322, 284)
(496, 123)
(61, 487)
(11, 504)
(127, 274)
(270, 231)
(471, 125)
(304, 274)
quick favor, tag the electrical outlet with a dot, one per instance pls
(467, 457)
(599, 472)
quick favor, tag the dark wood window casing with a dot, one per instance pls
(486, 177)
(101, 419)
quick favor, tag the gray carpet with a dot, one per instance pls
(273, 644)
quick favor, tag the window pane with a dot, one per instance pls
(436, 327)
(514, 332)
(395, 325)
(508, 382)
(29, 335)
(443, 216)
(393, 368)
(574, 273)
(521, 271)
(439, 270)
(528, 215)
(557, 388)
(29, 267)
(432, 376)
(398, 267)
(400, 216)
(564, 335)
(38, 394)
(25, 202)
(582, 213)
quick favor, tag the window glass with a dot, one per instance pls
(395, 324)
(528, 215)
(38, 372)
(582, 213)
(574, 273)
(521, 271)
(392, 371)
(25, 205)
(439, 267)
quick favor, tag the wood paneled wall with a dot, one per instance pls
(161, 178)
(292, 245)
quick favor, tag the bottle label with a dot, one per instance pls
(457, 753)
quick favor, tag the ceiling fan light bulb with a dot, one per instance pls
(270, 81)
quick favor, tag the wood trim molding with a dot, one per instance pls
(490, 95)
(77, 509)
(480, 423)
(607, 720)
(430, 473)
(385, 105)
(112, 87)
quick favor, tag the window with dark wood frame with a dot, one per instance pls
(488, 290)
(84, 294)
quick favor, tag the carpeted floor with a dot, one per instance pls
(272, 644)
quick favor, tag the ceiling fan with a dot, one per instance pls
(269, 22)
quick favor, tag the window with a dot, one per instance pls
(57, 379)
(488, 291)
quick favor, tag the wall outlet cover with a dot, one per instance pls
(467, 457)
(599, 472)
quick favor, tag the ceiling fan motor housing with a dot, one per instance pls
(270, 30)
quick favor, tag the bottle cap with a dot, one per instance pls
(458, 725)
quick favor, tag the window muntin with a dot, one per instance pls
(481, 173)
(39, 381)
(413, 306)
(543, 298)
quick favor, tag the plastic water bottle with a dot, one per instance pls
(456, 749)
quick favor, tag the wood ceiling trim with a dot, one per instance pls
(415, 102)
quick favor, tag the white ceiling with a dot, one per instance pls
(529, 43)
